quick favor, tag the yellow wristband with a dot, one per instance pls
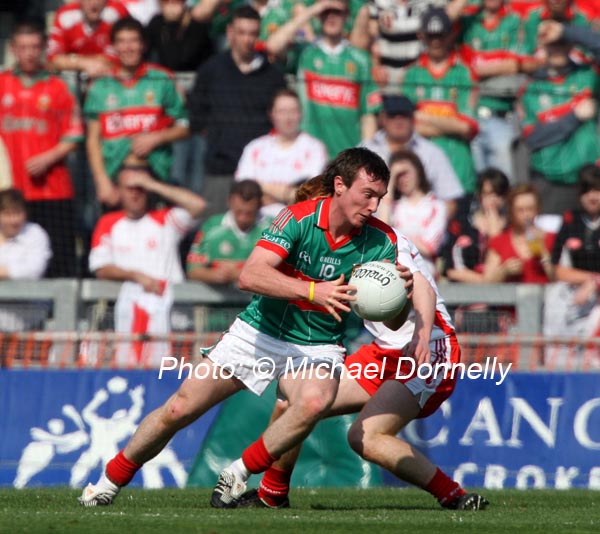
(311, 292)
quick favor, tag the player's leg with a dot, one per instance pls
(275, 484)
(194, 398)
(373, 437)
(309, 397)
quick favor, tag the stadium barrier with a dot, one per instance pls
(524, 430)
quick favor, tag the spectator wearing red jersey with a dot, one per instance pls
(521, 252)
(40, 126)
(80, 36)
(133, 115)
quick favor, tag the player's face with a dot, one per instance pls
(359, 201)
(332, 23)
(28, 50)
(12, 221)
(489, 200)
(245, 212)
(524, 211)
(286, 115)
(92, 9)
(405, 177)
(590, 202)
(242, 35)
(397, 127)
(129, 47)
(134, 199)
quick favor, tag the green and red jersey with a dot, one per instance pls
(220, 239)
(300, 236)
(34, 118)
(488, 41)
(148, 102)
(450, 93)
(336, 90)
(548, 100)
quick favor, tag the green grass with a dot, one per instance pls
(328, 511)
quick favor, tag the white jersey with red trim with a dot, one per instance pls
(265, 160)
(442, 326)
(148, 245)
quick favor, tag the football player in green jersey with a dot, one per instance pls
(295, 321)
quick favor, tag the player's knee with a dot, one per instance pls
(176, 413)
(356, 437)
(314, 406)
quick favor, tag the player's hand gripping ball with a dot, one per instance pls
(380, 293)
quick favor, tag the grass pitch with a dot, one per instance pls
(329, 511)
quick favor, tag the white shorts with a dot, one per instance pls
(256, 359)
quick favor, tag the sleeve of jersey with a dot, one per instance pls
(370, 94)
(174, 106)
(245, 168)
(70, 116)
(559, 243)
(91, 108)
(32, 263)
(407, 253)
(281, 234)
(197, 255)
(468, 95)
(56, 40)
(101, 253)
(434, 232)
(180, 220)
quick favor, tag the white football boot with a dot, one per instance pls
(100, 494)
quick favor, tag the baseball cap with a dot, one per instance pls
(398, 105)
(435, 21)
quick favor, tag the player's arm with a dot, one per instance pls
(191, 202)
(144, 143)
(204, 10)
(430, 125)
(455, 8)
(113, 272)
(368, 126)
(94, 65)
(423, 303)
(40, 164)
(261, 275)
(106, 192)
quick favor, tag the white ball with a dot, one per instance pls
(380, 293)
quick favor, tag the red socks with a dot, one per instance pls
(274, 486)
(121, 470)
(443, 488)
(256, 458)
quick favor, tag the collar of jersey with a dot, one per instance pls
(336, 50)
(323, 224)
(502, 12)
(545, 13)
(41, 74)
(424, 62)
(139, 73)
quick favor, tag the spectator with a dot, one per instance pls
(133, 115)
(181, 44)
(576, 257)
(24, 255)
(40, 126)
(282, 159)
(80, 36)
(339, 98)
(393, 28)
(398, 132)
(490, 43)
(230, 99)
(550, 31)
(559, 10)
(443, 88)
(468, 235)
(226, 240)
(559, 126)
(140, 248)
(24, 246)
(415, 211)
(520, 253)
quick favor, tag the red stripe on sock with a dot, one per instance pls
(121, 470)
(274, 486)
(443, 488)
(256, 458)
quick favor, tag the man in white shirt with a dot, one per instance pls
(140, 247)
(397, 120)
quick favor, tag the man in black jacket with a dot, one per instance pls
(230, 100)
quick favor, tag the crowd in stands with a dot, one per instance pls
(241, 101)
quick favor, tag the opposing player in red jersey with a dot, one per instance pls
(41, 124)
(80, 36)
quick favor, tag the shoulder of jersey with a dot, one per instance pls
(160, 70)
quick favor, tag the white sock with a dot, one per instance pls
(106, 483)
(240, 469)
